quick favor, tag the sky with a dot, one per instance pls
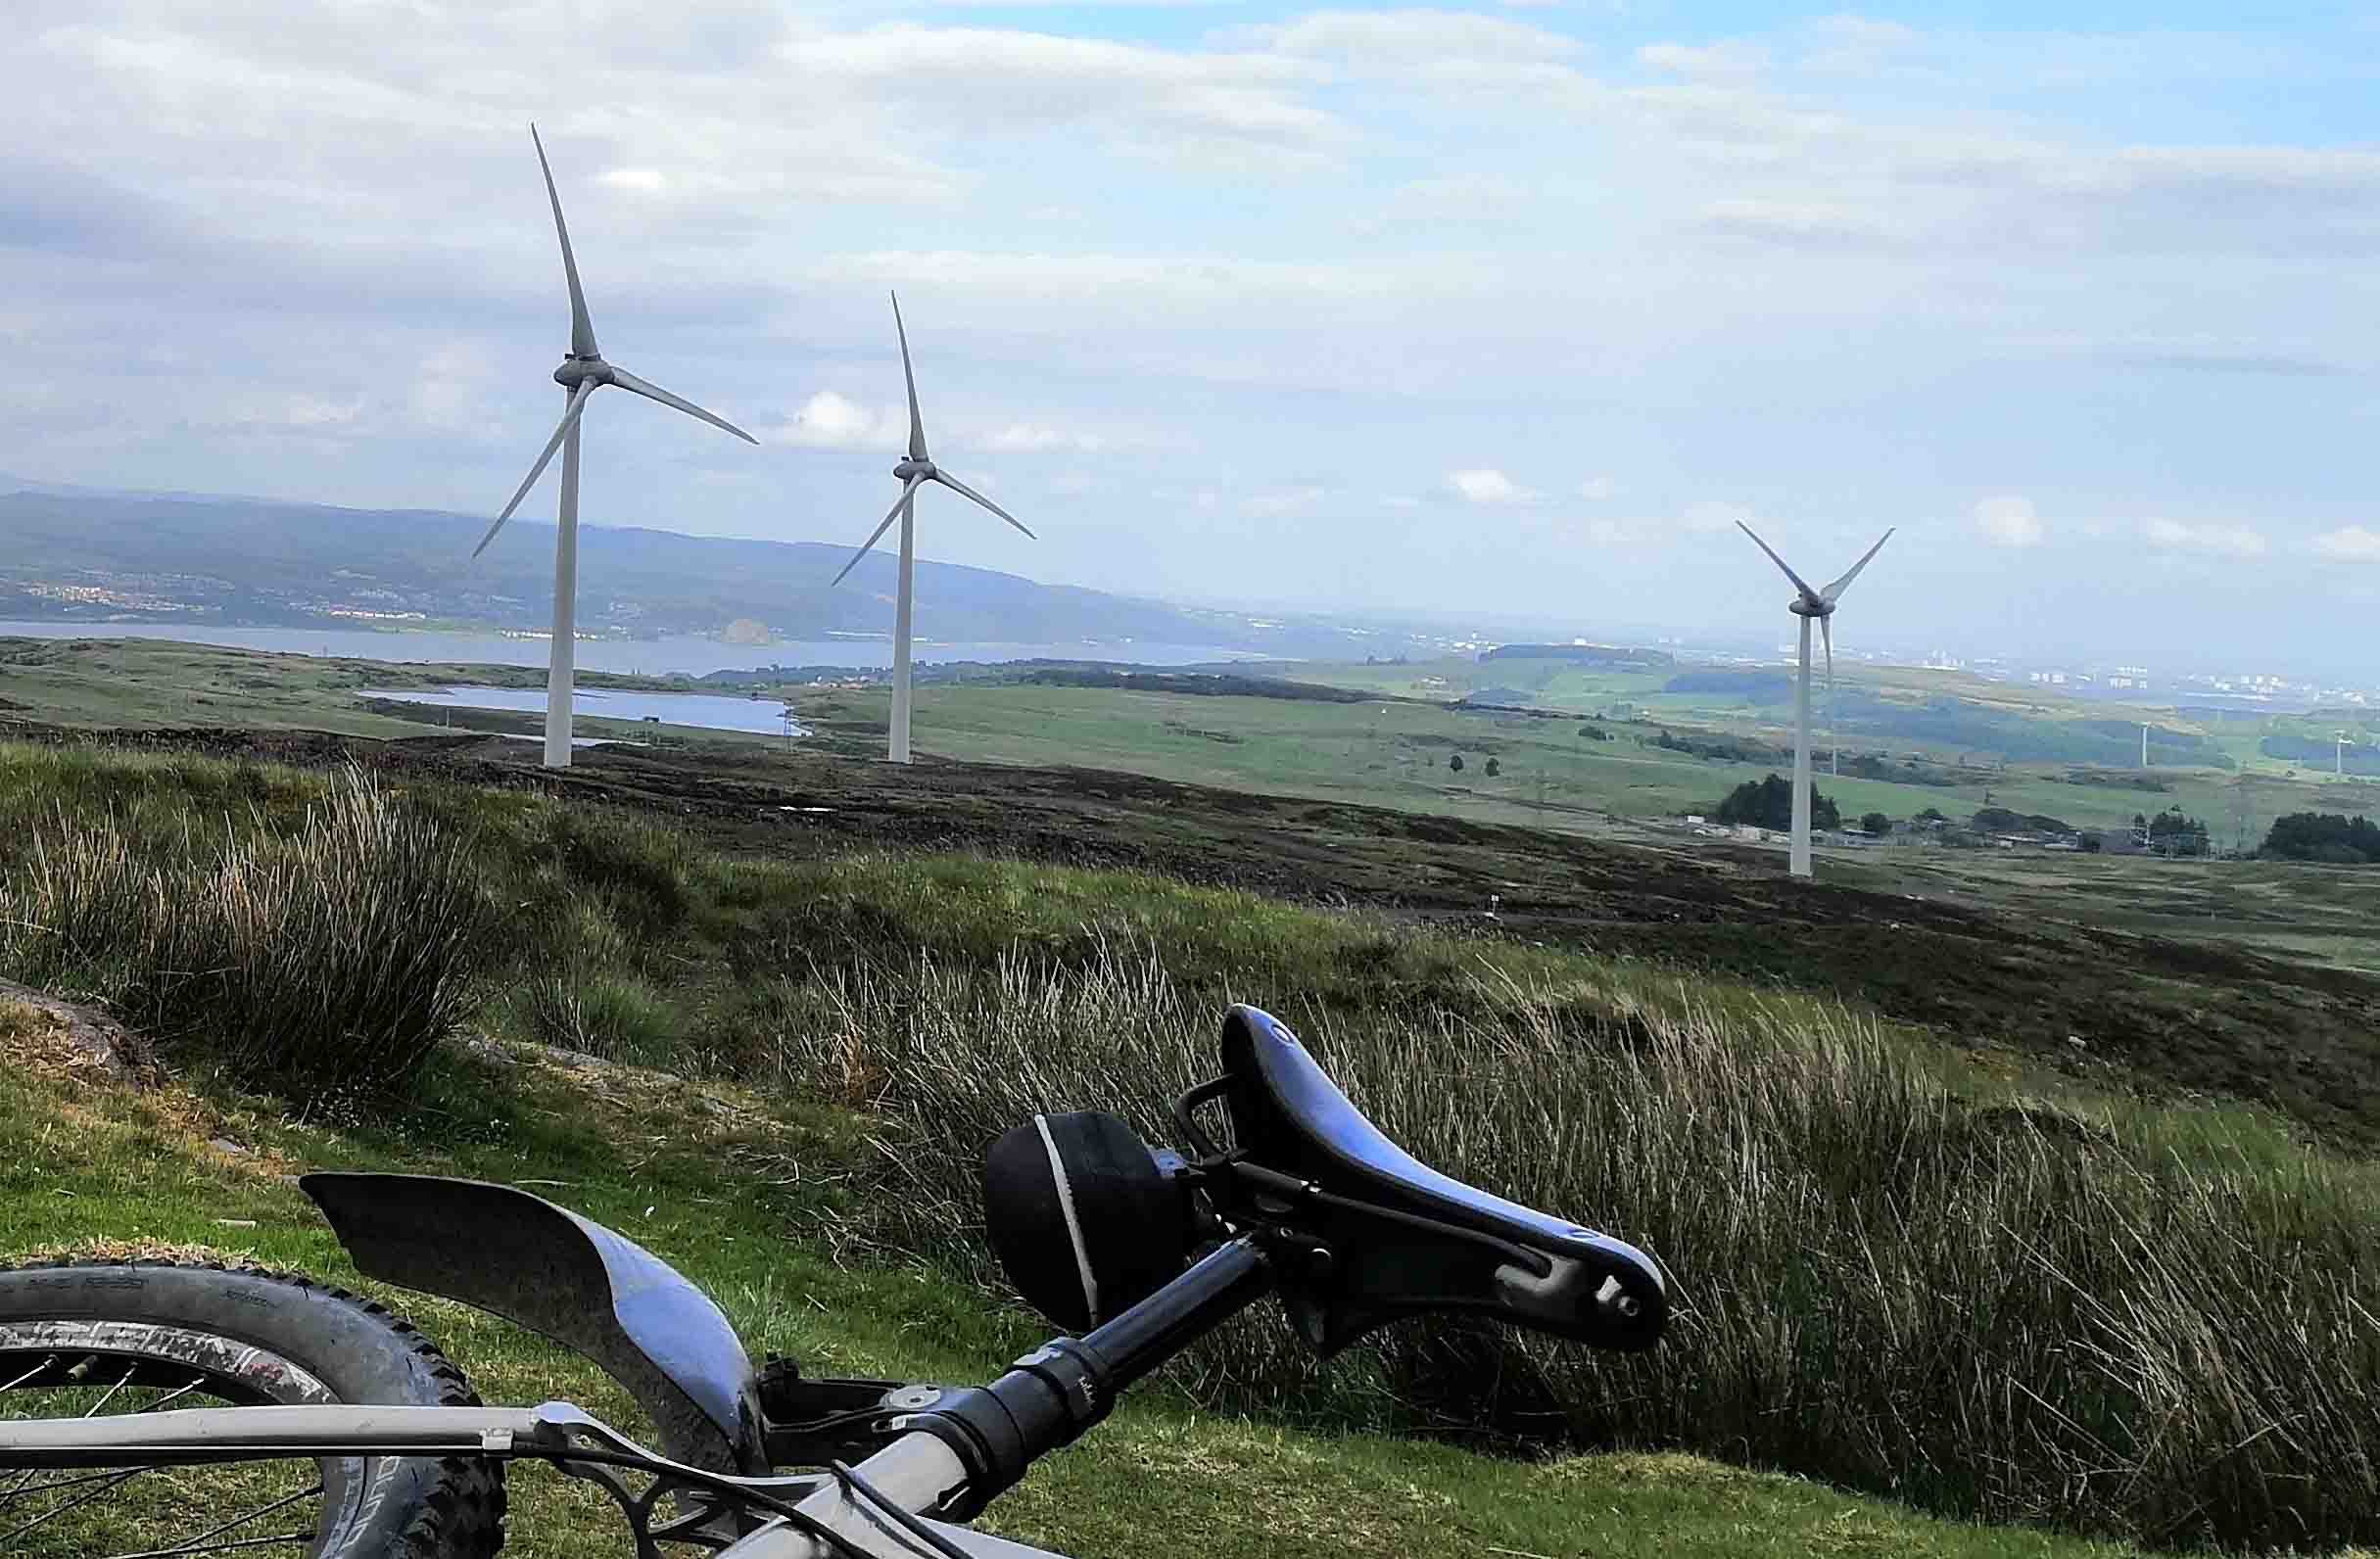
(1513, 309)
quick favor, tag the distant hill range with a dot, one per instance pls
(103, 556)
(1601, 657)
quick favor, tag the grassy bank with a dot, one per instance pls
(1894, 1272)
(729, 1185)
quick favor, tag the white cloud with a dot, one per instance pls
(1488, 486)
(1278, 504)
(2010, 522)
(1596, 488)
(449, 385)
(1728, 61)
(1654, 530)
(1856, 46)
(640, 180)
(1151, 99)
(2355, 543)
(1031, 438)
(831, 420)
(1707, 517)
(1798, 221)
(1412, 38)
(1457, 196)
(2222, 541)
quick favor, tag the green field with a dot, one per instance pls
(1391, 753)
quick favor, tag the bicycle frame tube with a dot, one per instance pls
(918, 1472)
(915, 1472)
(192, 1434)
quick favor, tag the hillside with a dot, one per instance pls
(853, 978)
(99, 557)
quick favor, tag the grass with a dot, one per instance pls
(1898, 1273)
(329, 954)
(1992, 1307)
(98, 681)
(715, 1179)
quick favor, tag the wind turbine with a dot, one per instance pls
(1810, 604)
(582, 372)
(915, 471)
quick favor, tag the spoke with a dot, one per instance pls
(130, 1370)
(177, 1395)
(54, 1511)
(29, 1374)
(25, 1489)
(222, 1547)
(199, 1544)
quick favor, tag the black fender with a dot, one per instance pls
(588, 1288)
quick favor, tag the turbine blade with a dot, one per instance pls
(908, 491)
(965, 491)
(917, 423)
(582, 329)
(654, 392)
(1837, 588)
(1807, 594)
(577, 404)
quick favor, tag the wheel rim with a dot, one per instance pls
(72, 1368)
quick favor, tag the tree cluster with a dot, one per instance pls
(2172, 831)
(2323, 837)
(1769, 804)
(2000, 820)
(1726, 749)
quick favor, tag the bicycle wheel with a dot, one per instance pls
(82, 1339)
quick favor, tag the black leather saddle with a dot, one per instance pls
(1393, 1237)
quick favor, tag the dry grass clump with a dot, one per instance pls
(326, 955)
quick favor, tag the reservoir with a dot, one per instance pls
(710, 711)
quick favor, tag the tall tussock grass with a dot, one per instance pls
(326, 949)
(1996, 1309)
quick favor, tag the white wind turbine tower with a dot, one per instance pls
(582, 372)
(915, 471)
(1809, 604)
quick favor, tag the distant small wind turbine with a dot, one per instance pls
(2339, 754)
(582, 372)
(1807, 605)
(2144, 745)
(915, 471)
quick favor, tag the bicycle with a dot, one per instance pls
(1140, 1250)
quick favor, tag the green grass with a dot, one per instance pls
(727, 1185)
(329, 954)
(1991, 1305)
(1747, 1136)
(1386, 754)
(135, 682)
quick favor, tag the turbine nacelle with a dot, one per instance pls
(576, 370)
(915, 471)
(1800, 607)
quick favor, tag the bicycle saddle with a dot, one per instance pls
(1393, 1237)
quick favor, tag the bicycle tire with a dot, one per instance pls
(294, 1339)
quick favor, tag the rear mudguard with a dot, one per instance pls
(549, 1269)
